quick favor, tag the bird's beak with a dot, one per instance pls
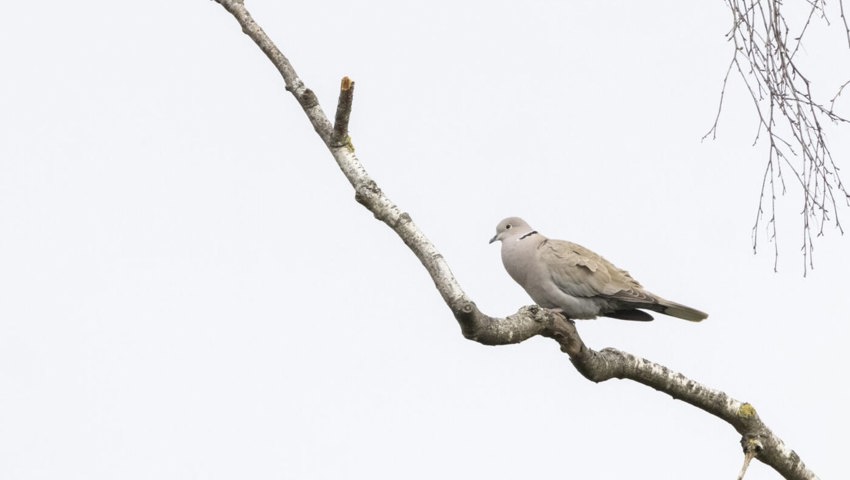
(495, 237)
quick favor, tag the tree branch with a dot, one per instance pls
(343, 113)
(598, 366)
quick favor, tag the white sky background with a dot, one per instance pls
(190, 291)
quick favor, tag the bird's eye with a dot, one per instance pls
(508, 226)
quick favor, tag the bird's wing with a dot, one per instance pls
(580, 272)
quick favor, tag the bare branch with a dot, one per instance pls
(844, 21)
(597, 366)
(343, 113)
(838, 94)
(305, 97)
(751, 448)
(788, 114)
(713, 130)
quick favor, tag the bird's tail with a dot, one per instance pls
(680, 311)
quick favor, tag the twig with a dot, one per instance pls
(343, 113)
(752, 447)
(838, 94)
(844, 21)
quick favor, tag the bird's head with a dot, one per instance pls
(511, 227)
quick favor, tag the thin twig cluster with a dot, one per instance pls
(789, 117)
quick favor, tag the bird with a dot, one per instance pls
(572, 280)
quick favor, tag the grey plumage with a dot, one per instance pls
(569, 278)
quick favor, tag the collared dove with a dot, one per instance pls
(570, 279)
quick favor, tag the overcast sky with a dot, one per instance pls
(189, 290)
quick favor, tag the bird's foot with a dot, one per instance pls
(560, 311)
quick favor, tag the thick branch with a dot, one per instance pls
(528, 322)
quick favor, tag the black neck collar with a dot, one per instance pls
(533, 232)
